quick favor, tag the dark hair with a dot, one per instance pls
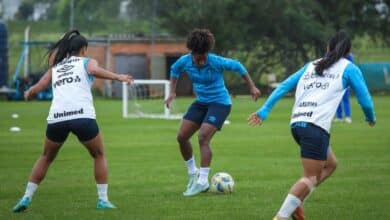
(70, 44)
(338, 46)
(200, 41)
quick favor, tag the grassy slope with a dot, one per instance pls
(147, 174)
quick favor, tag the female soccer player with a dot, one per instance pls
(212, 106)
(71, 75)
(320, 86)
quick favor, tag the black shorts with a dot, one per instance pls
(313, 140)
(84, 128)
(211, 113)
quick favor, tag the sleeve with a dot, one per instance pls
(353, 77)
(85, 62)
(177, 68)
(286, 86)
(228, 64)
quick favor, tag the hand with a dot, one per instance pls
(27, 94)
(255, 93)
(254, 120)
(169, 100)
(371, 124)
(125, 78)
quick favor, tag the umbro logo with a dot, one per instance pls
(212, 118)
(65, 68)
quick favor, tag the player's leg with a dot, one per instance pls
(329, 168)
(56, 134)
(213, 121)
(347, 106)
(189, 125)
(302, 188)
(314, 143)
(339, 113)
(87, 131)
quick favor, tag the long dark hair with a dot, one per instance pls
(70, 44)
(338, 46)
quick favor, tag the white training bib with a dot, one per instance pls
(317, 97)
(72, 96)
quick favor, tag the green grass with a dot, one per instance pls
(147, 174)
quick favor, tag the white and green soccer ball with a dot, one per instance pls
(222, 183)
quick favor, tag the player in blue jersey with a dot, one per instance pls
(212, 106)
(320, 86)
(345, 105)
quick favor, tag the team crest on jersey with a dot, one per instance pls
(65, 68)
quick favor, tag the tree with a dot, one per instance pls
(25, 10)
(269, 33)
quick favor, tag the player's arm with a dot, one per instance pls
(39, 86)
(353, 77)
(176, 70)
(99, 72)
(286, 86)
(235, 66)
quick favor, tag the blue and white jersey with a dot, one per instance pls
(72, 97)
(317, 97)
(208, 81)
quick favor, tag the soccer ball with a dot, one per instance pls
(222, 183)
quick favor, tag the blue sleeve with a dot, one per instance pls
(353, 77)
(228, 64)
(85, 61)
(91, 78)
(286, 86)
(177, 67)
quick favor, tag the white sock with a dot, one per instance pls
(289, 205)
(30, 189)
(102, 191)
(203, 175)
(191, 166)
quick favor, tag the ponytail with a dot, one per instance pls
(70, 44)
(338, 46)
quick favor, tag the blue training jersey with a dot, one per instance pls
(352, 76)
(208, 81)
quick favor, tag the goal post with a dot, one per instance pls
(145, 99)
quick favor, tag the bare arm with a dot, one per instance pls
(39, 86)
(255, 92)
(102, 73)
(172, 91)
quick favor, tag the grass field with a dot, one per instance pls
(148, 176)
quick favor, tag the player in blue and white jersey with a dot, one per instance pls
(71, 74)
(320, 86)
(212, 106)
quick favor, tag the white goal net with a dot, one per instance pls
(145, 99)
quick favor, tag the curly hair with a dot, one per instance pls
(200, 41)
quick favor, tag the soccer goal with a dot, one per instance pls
(145, 99)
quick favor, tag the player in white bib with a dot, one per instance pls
(320, 86)
(71, 74)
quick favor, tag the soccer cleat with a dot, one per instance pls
(348, 120)
(22, 205)
(105, 205)
(298, 214)
(196, 189)
(191, 180)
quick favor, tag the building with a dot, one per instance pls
(141, 57)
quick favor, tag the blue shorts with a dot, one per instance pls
(313, 140)
(84, 128)
(211, 113)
